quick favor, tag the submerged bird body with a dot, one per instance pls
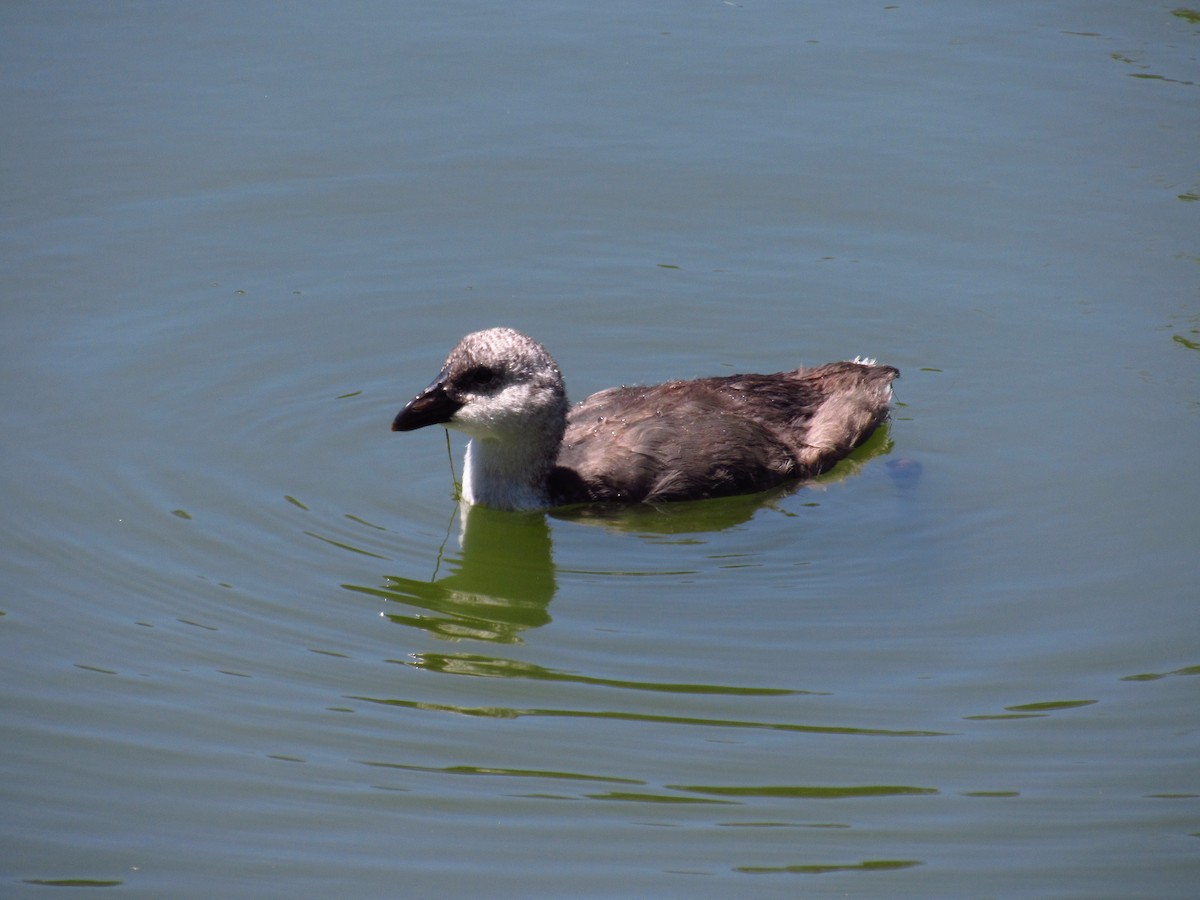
(681, 440)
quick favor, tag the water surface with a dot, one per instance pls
(249, 649)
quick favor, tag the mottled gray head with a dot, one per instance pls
(495, 384)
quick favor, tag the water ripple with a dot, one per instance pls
(807, 792)
(870, 865)
(505, 772)
(494, 667)
(503, 712)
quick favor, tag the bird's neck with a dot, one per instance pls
(508, 474)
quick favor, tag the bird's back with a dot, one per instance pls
(717, 436)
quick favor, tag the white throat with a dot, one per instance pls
(504, 476)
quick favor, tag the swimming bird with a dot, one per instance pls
(681, 440)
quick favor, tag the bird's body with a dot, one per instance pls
(681, 440)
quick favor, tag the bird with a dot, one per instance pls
(679, 440)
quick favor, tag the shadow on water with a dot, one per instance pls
(502, 581)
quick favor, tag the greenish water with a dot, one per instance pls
(251, 648)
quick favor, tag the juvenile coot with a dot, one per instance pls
(682, 440)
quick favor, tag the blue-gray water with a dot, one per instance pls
(244, 652)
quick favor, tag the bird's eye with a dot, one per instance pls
(477, 378)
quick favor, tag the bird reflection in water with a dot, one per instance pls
(501, 581)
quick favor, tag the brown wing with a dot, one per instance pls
(668, 442)
(717, 436)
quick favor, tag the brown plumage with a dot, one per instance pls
(682, 440)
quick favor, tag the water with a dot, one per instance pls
(248, 649)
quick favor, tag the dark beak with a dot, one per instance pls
(433, 406)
